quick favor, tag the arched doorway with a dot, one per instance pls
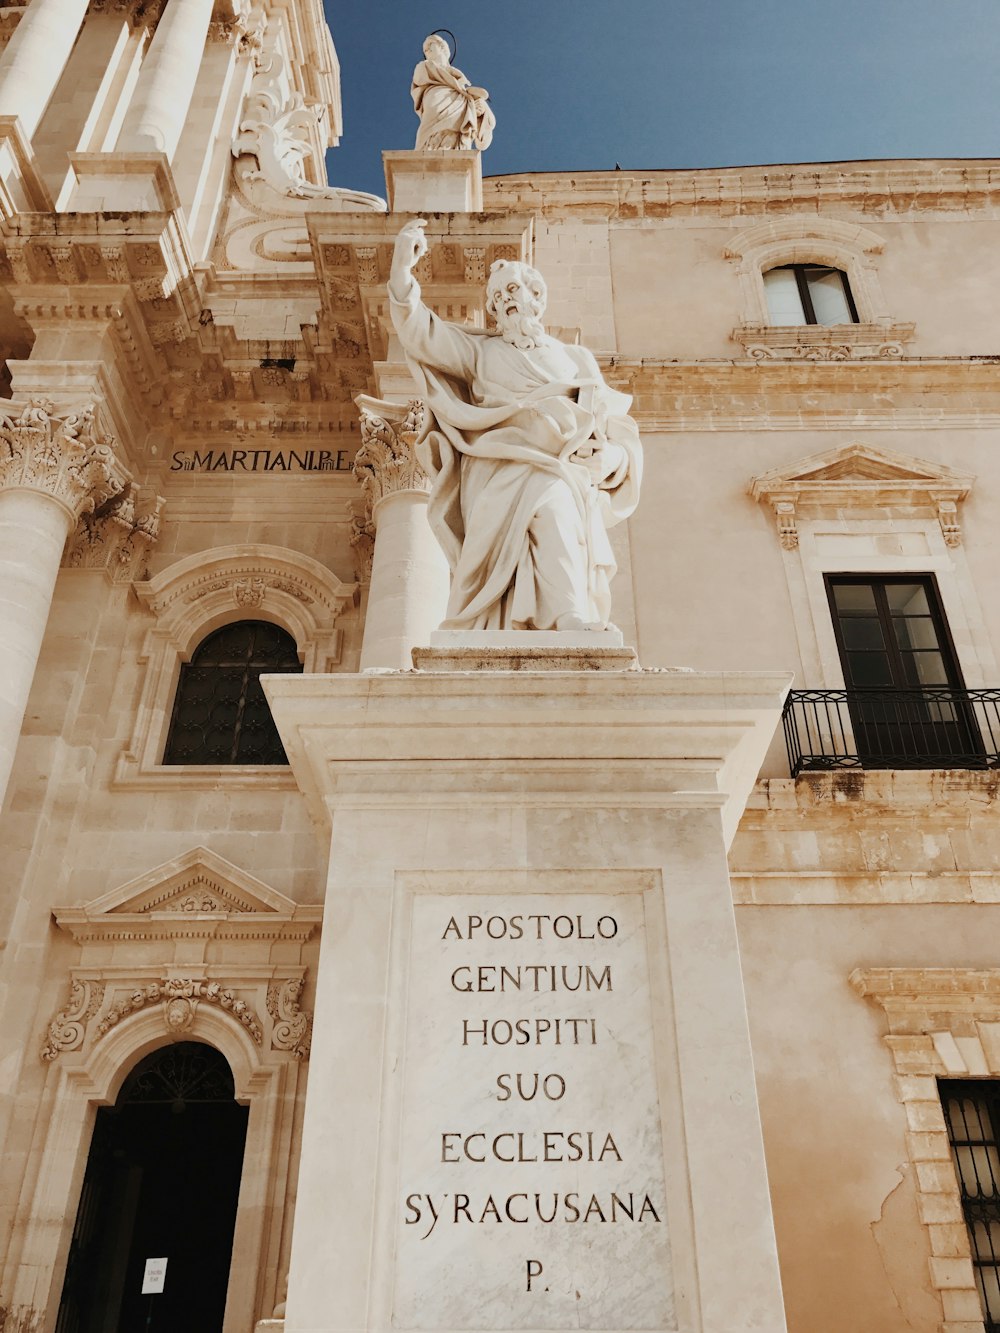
(162, 1180)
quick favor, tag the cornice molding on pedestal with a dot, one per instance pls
(61, 453)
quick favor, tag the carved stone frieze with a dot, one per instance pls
(117, 539)
(844, 342)
(60, 452)
(385, 463)
(291, 1026)
(180, 997)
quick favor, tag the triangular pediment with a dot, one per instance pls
(200, 881)
(863, 465)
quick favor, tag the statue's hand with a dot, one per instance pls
(410, 248)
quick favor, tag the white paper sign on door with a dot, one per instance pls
(154, 1276)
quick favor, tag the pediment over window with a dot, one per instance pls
(187, 894)
(859, 480)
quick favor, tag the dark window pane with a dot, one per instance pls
(854, 597)
(220, 713)
(925, 669)
(915, 632)
(862, 632)
(867, 669)
(829, 297)
(908, 599)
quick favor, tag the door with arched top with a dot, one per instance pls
(162, 1181)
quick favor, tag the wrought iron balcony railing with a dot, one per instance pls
(932, 727)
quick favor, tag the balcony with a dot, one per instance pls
(931, 727)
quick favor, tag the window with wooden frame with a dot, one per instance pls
(972, 1115)
(905, 693)
(809, 294)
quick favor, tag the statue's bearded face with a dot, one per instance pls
(515, 295)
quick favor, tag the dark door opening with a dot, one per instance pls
(162, 1180)
(906, 696)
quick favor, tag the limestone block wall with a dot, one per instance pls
(835, 875)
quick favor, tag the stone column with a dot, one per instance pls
(162, 98)
(33, 60)
(409, 579)
(54, 466)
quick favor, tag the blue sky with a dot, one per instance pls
(583, 84)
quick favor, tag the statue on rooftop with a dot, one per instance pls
(452, 113)
(531, 455)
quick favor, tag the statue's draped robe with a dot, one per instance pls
(522, 526)
(449, 117)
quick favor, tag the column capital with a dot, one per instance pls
(60, 452)
(385, 463)
(118, 539)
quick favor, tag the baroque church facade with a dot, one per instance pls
(207, 474)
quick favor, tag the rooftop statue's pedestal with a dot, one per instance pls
(436, 180)
(531, 1097)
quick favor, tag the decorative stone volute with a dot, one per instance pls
(62, 453)
(118, 540)
(385, 463)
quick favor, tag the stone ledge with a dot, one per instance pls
(515, 658)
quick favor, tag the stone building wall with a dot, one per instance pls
(865, 902)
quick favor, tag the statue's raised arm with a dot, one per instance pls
(531, 454)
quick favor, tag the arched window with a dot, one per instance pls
(808, 294)
(220, 714)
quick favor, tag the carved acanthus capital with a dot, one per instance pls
(60, 452)
(386, 463)
(119, 537)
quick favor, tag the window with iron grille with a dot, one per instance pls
(220, 714)
(808, 294)
(972, 1114)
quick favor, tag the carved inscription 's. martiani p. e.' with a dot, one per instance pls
(531, 1169)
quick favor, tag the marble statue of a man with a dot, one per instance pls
(452, 113)
(531, 455)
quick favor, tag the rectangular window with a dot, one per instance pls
(808, 294)
(905, 693)
(972, 1114)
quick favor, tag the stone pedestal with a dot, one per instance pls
(438, 181)
(531, 1097)
(121, 182)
